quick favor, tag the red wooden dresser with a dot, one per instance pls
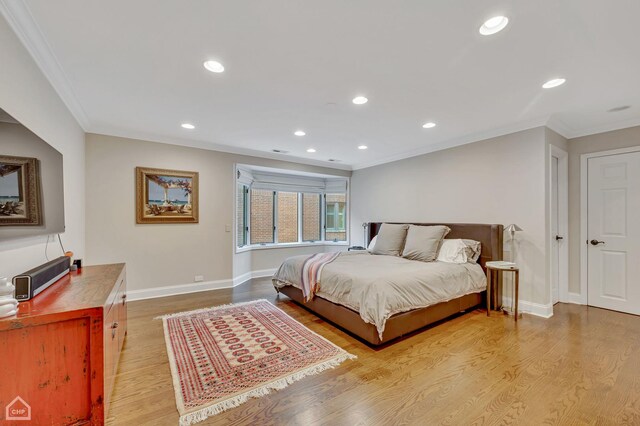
(60, 353)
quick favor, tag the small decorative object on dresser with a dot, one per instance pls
(166, 196)
(497, 268)
(61, 349)
(8, 303)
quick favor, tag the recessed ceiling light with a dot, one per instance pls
(359, 100)
(311, 150)
(554, 83)
(428, 125)
(363, 147)
(494, 25)
(188, 126)
(299, 133)
(214, 66)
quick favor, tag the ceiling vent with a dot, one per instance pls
(620, 108)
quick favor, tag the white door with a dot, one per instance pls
(613, 224)
(556, 238)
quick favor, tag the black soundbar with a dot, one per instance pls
(31, 283)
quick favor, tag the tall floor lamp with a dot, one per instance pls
(512, 229)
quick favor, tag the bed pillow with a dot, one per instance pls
(474, 248)
(372, 244)
(459, 251)
(390, 239)
(423, 242)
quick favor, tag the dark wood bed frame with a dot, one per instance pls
(404, 323)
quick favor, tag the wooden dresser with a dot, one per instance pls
(60, 353)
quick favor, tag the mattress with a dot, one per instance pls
(378, 287)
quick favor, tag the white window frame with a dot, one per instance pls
(299, 243)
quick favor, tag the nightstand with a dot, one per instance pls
(496, 268)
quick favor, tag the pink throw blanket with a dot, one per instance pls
(311, 270)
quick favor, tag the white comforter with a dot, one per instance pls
(380, 286)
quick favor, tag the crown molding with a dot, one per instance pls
(451, 143)
(20, 19)
(559, 126)
(619, 125)
(210, 146)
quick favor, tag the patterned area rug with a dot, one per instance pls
(222, 356)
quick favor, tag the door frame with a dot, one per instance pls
(563, 222)
(584, 217)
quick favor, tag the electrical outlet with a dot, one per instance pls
(227, 228)
(198, 278)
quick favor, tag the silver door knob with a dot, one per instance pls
(596, 242)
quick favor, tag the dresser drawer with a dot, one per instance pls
(115, 329)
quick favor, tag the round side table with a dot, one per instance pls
(496, 268)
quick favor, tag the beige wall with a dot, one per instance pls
(170, 254)
(587, 144)
(27, 95)
(499, 180)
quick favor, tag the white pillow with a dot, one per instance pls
(474, 249)
(372, 243)
(459, 251)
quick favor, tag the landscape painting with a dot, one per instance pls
(19, 191)
(166, 196)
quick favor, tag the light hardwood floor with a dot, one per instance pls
(582, 366)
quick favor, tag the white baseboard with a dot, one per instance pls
(173, 290)
(576, 298)
(537, 309)
(253, 274)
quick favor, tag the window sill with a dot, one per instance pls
(291, 245)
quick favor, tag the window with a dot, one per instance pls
(242, 227)
(311, 217)
(335, 217)
(277, 207)
(287, 229)
(262, 224)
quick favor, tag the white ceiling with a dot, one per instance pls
(134, 68)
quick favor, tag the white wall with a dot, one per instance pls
(499, 180)
(161, 255)
(27, 95)
(587, 144)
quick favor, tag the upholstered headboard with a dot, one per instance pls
(489, 235)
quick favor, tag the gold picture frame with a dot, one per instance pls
(20, 197)
(166, 196)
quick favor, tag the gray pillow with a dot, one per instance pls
(390, 239)
(423, 242)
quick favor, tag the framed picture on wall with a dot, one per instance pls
(20, 198)
(166, 196)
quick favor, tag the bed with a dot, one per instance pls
(375, 297)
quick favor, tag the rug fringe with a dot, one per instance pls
(213, 308)
(204, 413)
